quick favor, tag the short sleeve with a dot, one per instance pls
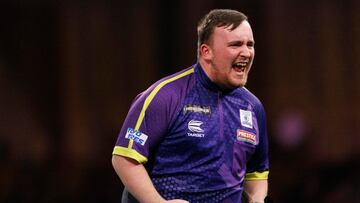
(145, 124)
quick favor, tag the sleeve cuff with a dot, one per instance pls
(257, 175)
(130, 153)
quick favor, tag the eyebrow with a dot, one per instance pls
(241, 42)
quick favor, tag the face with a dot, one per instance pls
(229, 55)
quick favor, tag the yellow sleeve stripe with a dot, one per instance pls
(151, 97)
(257, 175)
(129, 153)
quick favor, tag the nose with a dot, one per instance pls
(245, 51)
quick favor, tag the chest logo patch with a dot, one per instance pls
(197, 109)
(245, 136)
(195, 127)
(246, 118)
(136, 136)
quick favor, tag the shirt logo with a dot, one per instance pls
(136, 136)
(195, 127)
(197, 109)
(246, 118)
(243, 135)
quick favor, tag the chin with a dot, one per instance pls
(241, 83)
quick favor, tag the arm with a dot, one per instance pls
(137, 181)
(255, 190)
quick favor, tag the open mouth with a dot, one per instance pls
(240, 66)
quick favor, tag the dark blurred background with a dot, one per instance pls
(69, 70)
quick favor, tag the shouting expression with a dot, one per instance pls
(229, 55)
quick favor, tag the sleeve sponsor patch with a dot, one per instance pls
(243, 135)
(136, 136)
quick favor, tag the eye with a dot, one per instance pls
(235, 44)
(251, 44)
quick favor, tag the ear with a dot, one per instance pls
(205, 51)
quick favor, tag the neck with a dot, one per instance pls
(207, 69)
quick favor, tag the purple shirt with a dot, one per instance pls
(197, 143)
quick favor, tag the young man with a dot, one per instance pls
(199, 135)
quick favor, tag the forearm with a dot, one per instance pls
(256, 190)
(136, 179)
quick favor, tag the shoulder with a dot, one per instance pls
(252, 100)
(249, 96)
(172, 87)
(173, 84)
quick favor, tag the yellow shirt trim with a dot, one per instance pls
(130, 153)
(257, 175)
